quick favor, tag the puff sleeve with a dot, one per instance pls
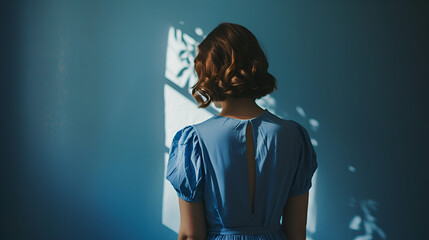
(185, 166)
(307, 163)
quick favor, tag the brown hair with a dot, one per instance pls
(230, 62)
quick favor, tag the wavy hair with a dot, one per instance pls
(230, 62)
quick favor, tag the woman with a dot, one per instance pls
(237, 173)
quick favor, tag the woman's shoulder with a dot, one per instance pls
(185, 135)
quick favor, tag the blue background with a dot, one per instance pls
(82, 117)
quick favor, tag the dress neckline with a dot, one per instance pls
(249, 119)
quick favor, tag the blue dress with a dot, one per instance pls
(208, 162)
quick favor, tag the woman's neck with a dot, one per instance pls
(240, 107)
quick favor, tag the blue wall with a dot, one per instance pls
(83, 128)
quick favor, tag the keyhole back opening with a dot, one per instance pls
(250, 150)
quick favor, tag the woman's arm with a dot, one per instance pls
(192, 221)
(294, 221)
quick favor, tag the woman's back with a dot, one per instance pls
(224, 170)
